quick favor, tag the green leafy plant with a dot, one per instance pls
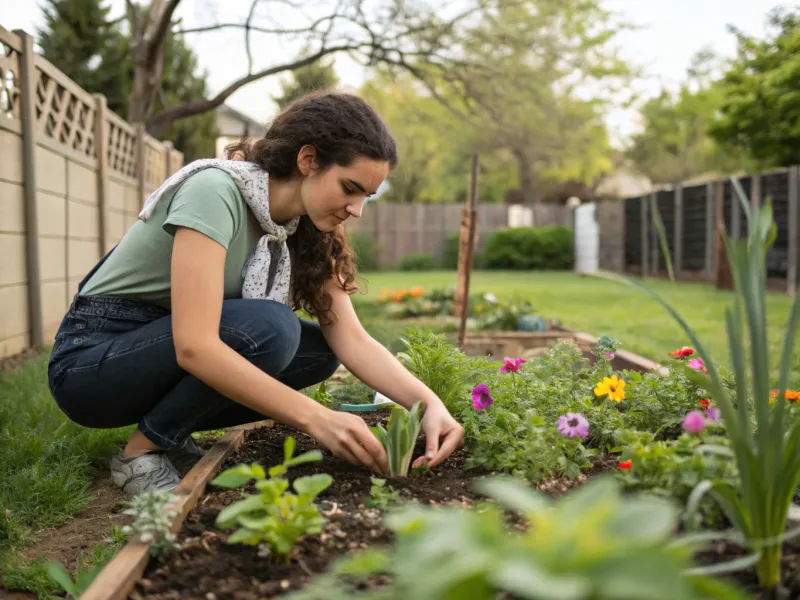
(766, 451)
(440, 365)
(594, 543)
(547, 247)
(381, 495)
(83, 578)
(274, 516)
(153, 514)
(400, 436)
(673, 468)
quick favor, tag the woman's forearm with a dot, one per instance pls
(233, 376)
(373, 364)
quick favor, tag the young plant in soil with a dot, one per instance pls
(153, 515)
(274, 516)
(400, 437)
(766, 446)
(381, 495)
(593, 543)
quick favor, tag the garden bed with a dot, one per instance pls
(208, 567)
(534, 344)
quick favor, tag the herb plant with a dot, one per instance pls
(153, 514)
(274, 516)
(400, 437)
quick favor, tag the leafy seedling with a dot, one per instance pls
(380, 495)
(399, 437)
(275, 516)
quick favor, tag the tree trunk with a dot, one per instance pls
(527, 180)
(147, 47)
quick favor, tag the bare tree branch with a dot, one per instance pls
(155, 38)
(160, 121)
(247, 38)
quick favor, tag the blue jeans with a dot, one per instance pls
(114, 364)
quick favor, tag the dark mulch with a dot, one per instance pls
(209, 568)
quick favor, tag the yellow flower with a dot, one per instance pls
(612, 387)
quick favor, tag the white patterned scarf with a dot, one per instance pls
(267, 273)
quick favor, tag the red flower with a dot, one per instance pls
(626, 464)
(682, 352)
(704, 403)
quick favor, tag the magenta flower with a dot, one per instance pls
(713, 414)
(481, 397)
(608, 355)
(694, 422)
(511, 365)
(696, 364)
(573, 424)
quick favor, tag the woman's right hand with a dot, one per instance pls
(348, 436)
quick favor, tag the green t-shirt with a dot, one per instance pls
(208, 202)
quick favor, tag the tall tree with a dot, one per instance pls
(760, 111)
(319, 75)
(80, 39)
(542, 55)
(674, 144)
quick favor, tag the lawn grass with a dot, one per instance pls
(599, 306)
(46, 461)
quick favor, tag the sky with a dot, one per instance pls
(668, 33)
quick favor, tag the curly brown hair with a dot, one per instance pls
(342, 127)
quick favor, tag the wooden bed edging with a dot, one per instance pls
(116, 580)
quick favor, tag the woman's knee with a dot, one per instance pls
(261, 330)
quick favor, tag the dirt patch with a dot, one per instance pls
(9, 363)
(207, 567)
(84, 530)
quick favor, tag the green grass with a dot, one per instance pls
(46, 461)
(598, 306)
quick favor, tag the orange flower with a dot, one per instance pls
(682, 352)
(625, 465)
(790, 395)
(384, 294)
(416, 291)
(398, 295)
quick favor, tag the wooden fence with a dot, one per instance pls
(691, 215)
(402, 229)
(73, 177)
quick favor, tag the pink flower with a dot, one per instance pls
(694, 422)
(511, 365)
(713, 414)
(696, 364)
(609, 355)
(481, 397)
(573, 424)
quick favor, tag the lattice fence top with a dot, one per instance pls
(176, 161)
(64, 111)
(10, 48)
(121, 146)
(155, 162)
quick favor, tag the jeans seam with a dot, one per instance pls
(242, 336)
(319, 356)
(139, 346)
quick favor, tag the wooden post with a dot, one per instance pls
(755, 190)
(101, 152)
(655, 246)
(723, 279)
(736, 216)
(140, 167)
(791, 269)
(710, 229)
(678, 232)
(465, 251)
(645, 236)
(27, 101)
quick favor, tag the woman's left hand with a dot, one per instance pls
(443, 435)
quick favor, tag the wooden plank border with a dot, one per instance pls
(117, 579)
